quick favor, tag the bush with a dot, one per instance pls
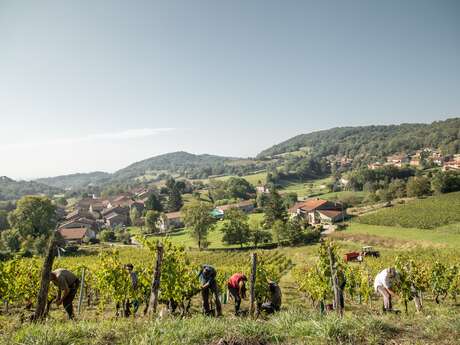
(123, 236)
(311, 236)
(107, 235)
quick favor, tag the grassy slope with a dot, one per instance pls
(428, 213)
(305, 188)
(251, 178)
(345, 194)
(445, 236)
(293, 327)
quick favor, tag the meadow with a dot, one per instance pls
(183, 237)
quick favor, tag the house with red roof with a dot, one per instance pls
(319, 211)
(76, 235)
(170, 220)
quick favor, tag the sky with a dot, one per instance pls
(96, 85)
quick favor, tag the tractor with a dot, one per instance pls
(359, 256)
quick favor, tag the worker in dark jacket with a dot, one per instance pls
(127, 304)
(67, 284)
(274, 302)
(208, 283)
(342, 280)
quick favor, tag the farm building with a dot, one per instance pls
(80, 223)
(319, 211)
(77, 235)
(117, 209)
(171, 220)
(79, 213)
(121, 201)
(246, 206)
(116, 219)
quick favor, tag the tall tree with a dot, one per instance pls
(446, 182)
(34, 216)
(198, 218)
(294, 231)
(279, 230)
(238, 187)
(134, 216)
(151, 221)
(290, 199)
(153, 203)
(274, 209)
(418, 186)
(174, 199)
(235, 227)
(257, 233)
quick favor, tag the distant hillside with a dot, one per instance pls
(76, 181)
(12, 190)
(374, 141)
(187, 165)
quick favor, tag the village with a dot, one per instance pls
(89, 216)
(82, 222)
(423, 157)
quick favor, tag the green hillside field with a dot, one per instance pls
(428, 213)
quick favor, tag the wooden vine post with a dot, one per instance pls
(335, 283)
(153, 302)
(82, 287)
(42, 298)
(252, 296)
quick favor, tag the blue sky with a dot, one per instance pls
(96, 85)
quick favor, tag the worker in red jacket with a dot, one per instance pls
(237, 288)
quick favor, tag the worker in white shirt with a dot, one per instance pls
(384, 283)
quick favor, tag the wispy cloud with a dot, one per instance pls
(127, 134)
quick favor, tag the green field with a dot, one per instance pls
(251, 178)
(428, 213)
(187, 198)
(345, 195)
(305, 188)
(183, 237)
(444, 236)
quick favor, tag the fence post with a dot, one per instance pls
(335, 283)
(42, 298)
(82, 286)
(252, 296)
(153, 302)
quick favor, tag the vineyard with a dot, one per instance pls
(304, 275)
(430, 275)
(107, 283)
(426, 213)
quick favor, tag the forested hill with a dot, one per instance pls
(177, 164)
(75, 181)
(188, 165)
(12, 190)
(374, 141)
